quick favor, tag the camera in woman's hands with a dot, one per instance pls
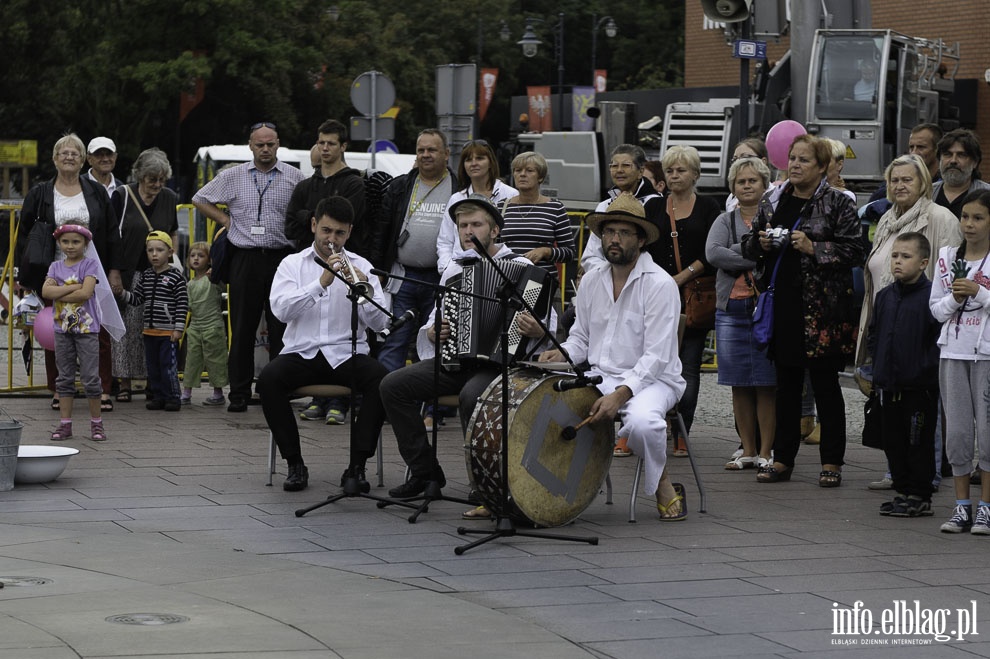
(779, 237)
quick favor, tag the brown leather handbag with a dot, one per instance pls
(699, 293)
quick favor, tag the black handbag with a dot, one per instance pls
(872, 429)
(220, 252)
(39, 253)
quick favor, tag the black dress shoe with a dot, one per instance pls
(298, 478)
(237, 405)
(173, 406)
(154, 405)
(412, 487)
(358, 473)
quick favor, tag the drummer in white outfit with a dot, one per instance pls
(626, 328)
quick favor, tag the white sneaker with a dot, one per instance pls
(886, 483)
(981, 526)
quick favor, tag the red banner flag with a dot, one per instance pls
(540, 115)
(486, 89)
(190, 99)
(601, 79)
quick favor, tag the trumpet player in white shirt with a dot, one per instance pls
(314, 306)
(626, 329)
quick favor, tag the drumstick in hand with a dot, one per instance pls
(570, 432)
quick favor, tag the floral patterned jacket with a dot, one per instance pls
(830, 221)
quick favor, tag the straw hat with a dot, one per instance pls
(625, 208)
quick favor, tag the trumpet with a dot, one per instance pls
(364, 289)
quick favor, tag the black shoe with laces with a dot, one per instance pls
(298, 479)
(356, 472)
(411, 488)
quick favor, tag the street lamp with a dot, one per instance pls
(530, 45)
(504, 34)
(611, 29)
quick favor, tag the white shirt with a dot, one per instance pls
(963, 334)
(109, 188)
(632, 338)
(317, 318)
(448, 243)
(426, 348)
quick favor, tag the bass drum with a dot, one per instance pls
(551, 480)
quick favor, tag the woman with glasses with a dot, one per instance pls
(71, 199)
(477, 173)
(741, 365)
(536, 226)
(142, 206)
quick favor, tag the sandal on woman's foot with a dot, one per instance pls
(621, 450)
(106, 405)
(829, 478)
(680, 448)
(742, 462)
(678, 501)
(124, 396)
(773, 475)
(477, 513)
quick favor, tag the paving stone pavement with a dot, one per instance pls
(171, 516)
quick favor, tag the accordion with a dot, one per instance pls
(476, 324)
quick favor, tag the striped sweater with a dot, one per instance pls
(164, 297)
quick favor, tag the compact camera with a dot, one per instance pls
(779, 236)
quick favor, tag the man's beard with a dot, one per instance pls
(957, 177)
(623, 257)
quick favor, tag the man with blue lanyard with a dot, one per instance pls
(256, 194)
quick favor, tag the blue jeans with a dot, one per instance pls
(409, 296)
(161, 359)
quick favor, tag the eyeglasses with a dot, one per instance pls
(156, 179)
(69, 154)
(263, 124)
(625, 166)
(621, 234)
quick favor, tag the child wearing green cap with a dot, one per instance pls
(162, 289)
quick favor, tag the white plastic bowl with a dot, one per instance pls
(41, 464)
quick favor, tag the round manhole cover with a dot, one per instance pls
(147, 619)
(24, 581)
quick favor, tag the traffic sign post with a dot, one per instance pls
(372, 93)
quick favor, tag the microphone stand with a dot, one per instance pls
(433, 491)
(505, 527)
(352, 486)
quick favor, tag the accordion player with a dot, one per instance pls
(476, 323)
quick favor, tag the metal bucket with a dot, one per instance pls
(10, 441)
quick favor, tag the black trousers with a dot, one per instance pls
(405, 390)
(831, 410)
(290, 371)
(907, 428)
(251, 275)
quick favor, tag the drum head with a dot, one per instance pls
(551, 480)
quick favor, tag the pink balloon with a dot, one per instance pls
(779, 139)
(44, 328)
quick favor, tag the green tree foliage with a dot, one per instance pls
(117, 68)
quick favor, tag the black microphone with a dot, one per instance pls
(380, 273)
(408, 316)
(567, 384)
(323, 264)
